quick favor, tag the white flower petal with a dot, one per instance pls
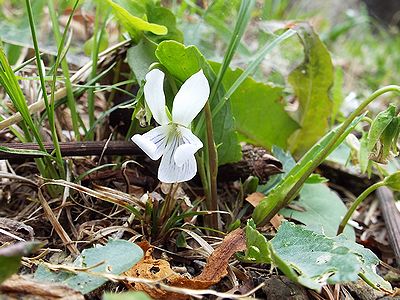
(183, 153)
(153, 142)
(189, 138)
(154, 95)
(190, 99)
(169, 171)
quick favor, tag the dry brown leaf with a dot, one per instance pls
(276, 221)
(213, 272)
(20, 287)
(255, 198)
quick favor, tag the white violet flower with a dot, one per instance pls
(173, 140)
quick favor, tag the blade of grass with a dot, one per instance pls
(61, 93)
(10, 83)
(64, 66)
(97, 35)
(251, 68)
(244, 15)
(249, 71)
(49, 106)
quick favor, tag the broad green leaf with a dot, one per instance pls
(134, 7)
(316, 258)
(182, 62)
(154, 14)
(323, 208)
(134, 25)
(368, 265)
(140, 57)
(311, 82)
(127, 296)
(117, 256)
(10, 257)
(164, 16)
(259, 113)
(313, 259)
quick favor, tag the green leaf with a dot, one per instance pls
(378, 126)
(317, 259)
(24, 151)
(10, 257)
(117, 256)
(126, 296)
(259, 113)
(311, 82)
(140, 57)
(316, 178)
(393, 181)
(182, 62)
(313, 259)
(164, 16)
(257, 245)
(323, 208)
(134, 25)
(337, 94)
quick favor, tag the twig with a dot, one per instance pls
(391, 215)
(74, 149)
(57, 226)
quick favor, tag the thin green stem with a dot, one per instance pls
(325, 152)
(95, 54)
(320, 157)
(356, 203)
(212, 196)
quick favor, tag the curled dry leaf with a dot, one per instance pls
(159, 269)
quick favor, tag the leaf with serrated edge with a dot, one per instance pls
(314, 260)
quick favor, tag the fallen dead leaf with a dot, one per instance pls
(255, 198)
(159, 269)
(276, 221)
(21, 287)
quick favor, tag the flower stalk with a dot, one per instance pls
(356, 203)
(212, 194)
